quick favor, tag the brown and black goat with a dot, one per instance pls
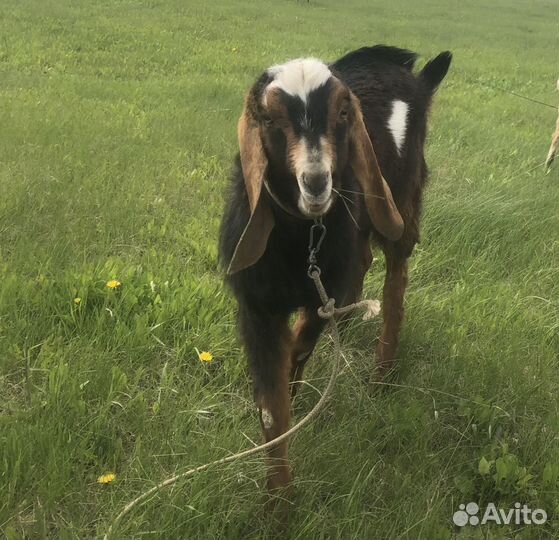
(343, 142)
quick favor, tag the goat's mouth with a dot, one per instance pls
(314, 207)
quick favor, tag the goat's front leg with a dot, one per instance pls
(307, 330)
(395, 283)
(267, 339)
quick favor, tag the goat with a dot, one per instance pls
(554, 143)
(306, 150)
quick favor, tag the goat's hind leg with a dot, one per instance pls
(267, 340)
(395, 283)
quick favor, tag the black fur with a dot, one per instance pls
(278, 282)
(435, 70)
(369, 57)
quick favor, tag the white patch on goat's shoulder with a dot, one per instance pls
(397, 123)
(299, 77)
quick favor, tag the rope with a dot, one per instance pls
(474, 82)
(525, 97)
(326, 311)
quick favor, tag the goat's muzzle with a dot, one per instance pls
(316, 193)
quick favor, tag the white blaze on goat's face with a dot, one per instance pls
(299, 77)
(306, 109)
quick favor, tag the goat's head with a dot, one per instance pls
(300, 128)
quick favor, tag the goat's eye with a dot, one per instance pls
(343, 113)
(267, 121)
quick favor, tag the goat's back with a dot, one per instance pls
(395, 103)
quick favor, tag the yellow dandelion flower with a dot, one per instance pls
(113, 284)
(106, 478)
(205, 356)
(77, 301)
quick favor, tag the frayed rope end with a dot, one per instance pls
(372, 309)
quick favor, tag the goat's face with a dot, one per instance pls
(300, 128)
(303, 111)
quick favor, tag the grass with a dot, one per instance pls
(118, 127)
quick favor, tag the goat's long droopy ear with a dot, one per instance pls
(253, 240)
(378, 198)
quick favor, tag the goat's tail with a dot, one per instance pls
(435, 70)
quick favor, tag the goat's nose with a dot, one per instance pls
(315, 183)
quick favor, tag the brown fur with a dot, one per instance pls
(276, 401)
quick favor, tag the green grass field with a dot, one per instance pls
(118, 121)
